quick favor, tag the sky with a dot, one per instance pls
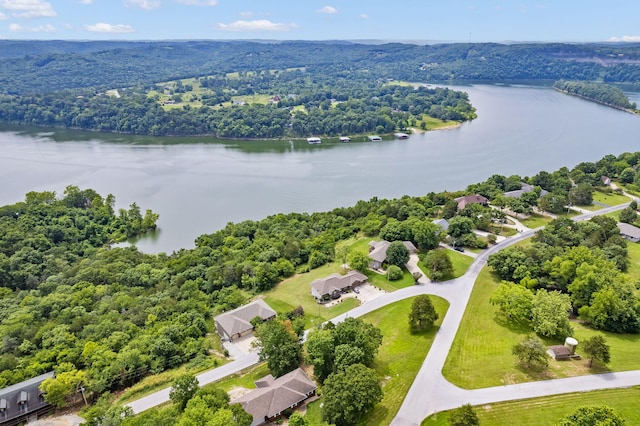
(397, 20)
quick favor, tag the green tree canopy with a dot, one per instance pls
(347, 395)
(183, 389)
(464, 416)
(595, 415)
(397, 254)
(423, 315)
(531, 354)
(279, 345)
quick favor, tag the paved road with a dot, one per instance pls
(430, 391)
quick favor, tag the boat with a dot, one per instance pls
(345, 139)
(375, 138)
(401, 135)
(314, 140)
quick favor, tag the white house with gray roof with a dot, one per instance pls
(378, 252)
(237, 323)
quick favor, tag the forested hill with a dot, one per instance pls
(36, 67)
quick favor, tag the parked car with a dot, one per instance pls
(356, 290)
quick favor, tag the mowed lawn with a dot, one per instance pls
(398, 361)
(481, 352)
(535, 221)
(610, 199)
(549, 410)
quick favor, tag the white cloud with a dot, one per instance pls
(3, 17)
(246, 14)
(199, 2)
(364, 16)
(144, 4)
(101, 27)
(17, 28)
(28, 8)
(86, 1)
(258, 25)
(328, 9)
(625, 38)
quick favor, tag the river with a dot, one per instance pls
(197, 185)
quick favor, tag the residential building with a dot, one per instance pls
(237, 323)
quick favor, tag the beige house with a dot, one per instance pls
(237, 323)
(273, 396)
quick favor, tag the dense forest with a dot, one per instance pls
(601, 93)
(341, 88)
(111, 316)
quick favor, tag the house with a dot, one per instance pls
(629, 232)
(273, 396)
(606, 181)
(523, 190)
(378, 252)
(471, 199)
(324, 288)
(237, 323)
(24, 401)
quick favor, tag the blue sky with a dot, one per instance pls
(412, 20)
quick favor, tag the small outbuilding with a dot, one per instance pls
(237, 323)
(566, 351)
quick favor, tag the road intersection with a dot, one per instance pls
(430, 391)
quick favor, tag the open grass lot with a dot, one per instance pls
(398, 361)
(460, 263)
(481, 353)
(548, 410)
(400, 356)
(633, 268)
(535, 221)
(296, 291)
(610, 199)
(592, 207)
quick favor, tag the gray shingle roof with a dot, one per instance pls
(629, 230)
(238, 320)
(334, 282)
(273, 396)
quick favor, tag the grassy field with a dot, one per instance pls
(548, 410)
(535, 220)
(610, 199)
(481, 353)
(633, 269)
(460, 263)
(400, 357)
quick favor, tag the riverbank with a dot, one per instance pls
(587, 98)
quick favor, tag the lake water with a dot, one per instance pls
(197, 185)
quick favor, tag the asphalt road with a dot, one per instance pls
(430, 391)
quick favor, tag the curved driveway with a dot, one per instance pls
(430, 391)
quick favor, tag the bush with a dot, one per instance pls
(394, 273)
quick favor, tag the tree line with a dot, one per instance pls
(601, 93)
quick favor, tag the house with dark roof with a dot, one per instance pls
(471, 199)
(526, 188)
(24, 401)
(237, 323)
(606, 181)
(378, 252)
(629, 232)
(324, 288)
(274, 396)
